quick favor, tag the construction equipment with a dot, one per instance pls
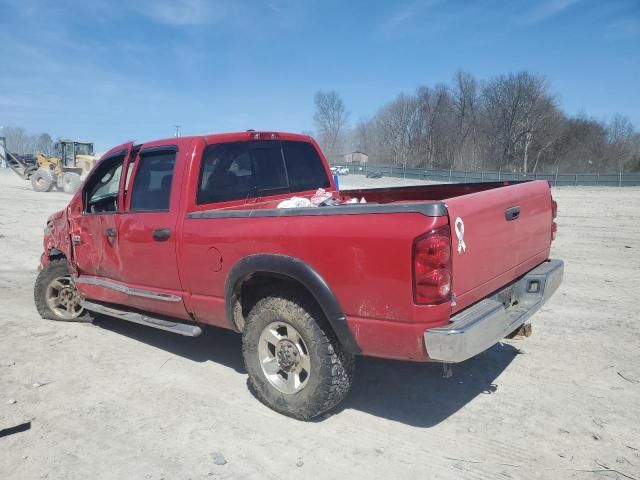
(64, 171)
(73, 161)
(23, 165)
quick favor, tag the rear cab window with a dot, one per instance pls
(304, 167)
(243, 170)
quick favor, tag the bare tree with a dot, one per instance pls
(633, 165)
(18, 140)
(581, 146)
(399, 125)
(516, 107)
(510, 121)
(363, 134)
(547, 136)
(429, 106)
(466, 104)
(620, 136)
(441, 123)
(330, 118)
(44, 144)
(367, 138)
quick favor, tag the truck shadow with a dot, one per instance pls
(217, 345)
(416, 394)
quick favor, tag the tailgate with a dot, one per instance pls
(497, 235)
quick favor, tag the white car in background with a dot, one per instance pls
(340, 170)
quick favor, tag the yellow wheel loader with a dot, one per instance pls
(64, 171)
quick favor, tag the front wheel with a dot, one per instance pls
(55, 294)
(42, 180)
(295, 363)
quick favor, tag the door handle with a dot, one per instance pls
(110, 232)
(512, 213)
(161, 234)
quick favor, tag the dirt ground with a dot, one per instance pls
(114, 400)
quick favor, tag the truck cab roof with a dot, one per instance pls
(211, 138)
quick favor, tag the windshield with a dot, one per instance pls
(84, 149)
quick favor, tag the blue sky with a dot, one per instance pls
(107, 72)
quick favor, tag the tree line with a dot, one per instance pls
(21, 142)
(510, 122)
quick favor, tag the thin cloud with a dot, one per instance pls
(623, 29)
(406, 15)
(286, 14)
(547, 10)
(183, 12)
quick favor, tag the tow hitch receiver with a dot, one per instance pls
(521, 332)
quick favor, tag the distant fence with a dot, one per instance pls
(461, 176)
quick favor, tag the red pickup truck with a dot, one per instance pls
(186, 232)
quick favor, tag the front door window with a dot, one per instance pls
(101, 192)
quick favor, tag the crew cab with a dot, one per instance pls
(183, 233)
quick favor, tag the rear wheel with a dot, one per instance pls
(55, 294)
(42, 180)
(70, 182)
(295, 363)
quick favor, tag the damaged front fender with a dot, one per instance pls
(56, 240)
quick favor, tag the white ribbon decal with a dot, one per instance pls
(459, 228)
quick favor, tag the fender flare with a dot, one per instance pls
(295, 269)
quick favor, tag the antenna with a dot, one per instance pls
(178, 130)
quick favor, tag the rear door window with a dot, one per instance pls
(152, 182)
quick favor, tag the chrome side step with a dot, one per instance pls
(135, 317)
(119, 287)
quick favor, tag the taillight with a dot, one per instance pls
(432, 267)
(554, 214)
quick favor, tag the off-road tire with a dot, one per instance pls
(42, 180)
(57, 267)
(332, 369)
(70, 182)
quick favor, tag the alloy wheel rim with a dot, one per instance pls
(63, 299)
(284, 357)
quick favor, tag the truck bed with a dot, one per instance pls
(497, 249)
(372, 244)
(422, 192)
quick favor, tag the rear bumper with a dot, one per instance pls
(484, 324)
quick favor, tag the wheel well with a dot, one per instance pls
(252, 277)
(54, 254)
(250, 290)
